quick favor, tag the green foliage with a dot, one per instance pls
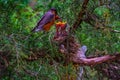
(101, 11)
(17, 19)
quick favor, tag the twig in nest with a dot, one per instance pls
(32, 73)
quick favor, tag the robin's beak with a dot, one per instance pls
(58, 18)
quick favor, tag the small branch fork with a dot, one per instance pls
(96, 60)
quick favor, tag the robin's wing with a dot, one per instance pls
(44, 20)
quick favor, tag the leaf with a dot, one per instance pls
(100, 11)
(39, 44)
(116, 23)
(23, 55)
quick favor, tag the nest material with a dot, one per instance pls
(69, 46)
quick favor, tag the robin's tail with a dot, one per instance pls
(37, 28)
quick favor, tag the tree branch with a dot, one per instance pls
(80, 15)
(96, 60)
(77, 55)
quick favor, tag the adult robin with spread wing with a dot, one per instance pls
(47, 21)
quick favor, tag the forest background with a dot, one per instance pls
(18, 46)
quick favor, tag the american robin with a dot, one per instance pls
(47, 20)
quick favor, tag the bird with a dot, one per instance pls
(47, 20)
(60, 27)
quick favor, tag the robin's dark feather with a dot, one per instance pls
(45, 19)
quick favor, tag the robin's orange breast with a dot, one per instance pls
(48, 25)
